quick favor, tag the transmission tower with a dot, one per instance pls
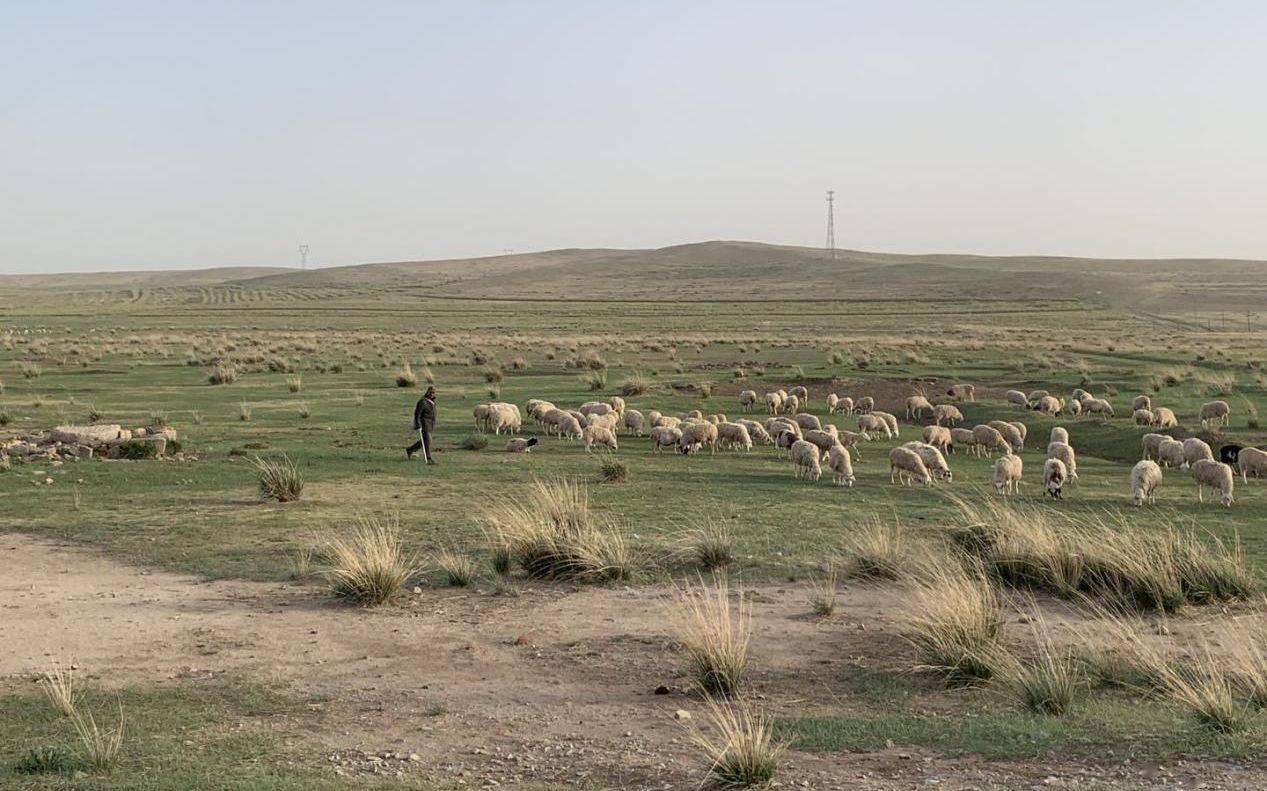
(303, 256)
(831, 223)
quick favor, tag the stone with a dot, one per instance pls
(681, 714)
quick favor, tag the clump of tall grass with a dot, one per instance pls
(1049, 682)
(476, 441)
(492, 374)
(224, 373)
(279, 479)
(613, 470)
(405, 377)
(553, 534)
(101, 745)
(458, 569)
(58, 683)
(954, 618)
(713, 635)
(301, 563)
(742, 751)
(244, 412)
(368, 563)
(1209, 693)
(710, 543)
(635, 384)
(304, 410)
(595, 380)
(823, 601)
(294, 384)
(875, 550)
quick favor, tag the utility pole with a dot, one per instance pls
(303, 256)
(831, 223)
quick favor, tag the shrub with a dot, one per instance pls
(405, 377)
(305, 411)
(5, 417)
(458, 569)
(137, 450)
(954, 617)
(823, 602)
(29, 370)
(280, 479)
(743, 753)
(44, 760)
(714, 641)
(635, 384)
(613, 470)
(224, 373)
(368, 565)
(476, 441)
(492, 375)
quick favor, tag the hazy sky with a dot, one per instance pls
(172, 134)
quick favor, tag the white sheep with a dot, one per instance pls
(1145, 480)
(864, 405)
(933, 460)
(1196, 449)
(773, 403)
(634, 422)
(807, 421)
(916, 405)
(874, 424)
(1054, 476)
(963, 437)
(805, 463)
(733, 436)
(987, 440)
(1142, 402)
(598, 435)
(618, 404)
(889, 420)
(1151, 442)
(756, 431)
(1064, 451)
(1216, 411)
(906, 467)
(1097, 406)
(1007, 474)
(653, 418)
(1011, 433)
(570, 427)
(608, 420)
(938, 437)
(791, 405)
(1164, 417)
(1079, 394)
(1170, 454)
(1144, 417)
(747, 400)
(843, 406)
(832, 400)
(1252, 461)
(697, 435)
(480, 412)
(1074, 408)
(823, 440)
(1059, 434)
(595, 408)
(963, 392)
(841, 465)
(693, 414)
(664, 437)
(947, 415)
(1017, 398)
(503, 416)
(801, 392)
(1216, 475)
(1048, 405)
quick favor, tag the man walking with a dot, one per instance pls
(424, 424)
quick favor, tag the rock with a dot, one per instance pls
(681, 714)
(90, 435)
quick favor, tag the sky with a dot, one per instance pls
(171, 135)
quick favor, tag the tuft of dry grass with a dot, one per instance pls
(368, 563)
(406, 377)
(594, 380)
(224, 373)
(102, 746)
(280, 479)
(635, 384)
(742, 751)
(1208, 692)
(954, 617)
(458, 569)
(1049, 682)
(713, 635)
(875, 550)
(710, 543)
(58, 683)
(294, 384)
(823, 601)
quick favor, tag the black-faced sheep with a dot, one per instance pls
(1230, 453)
(963, 392)
(1065, 453)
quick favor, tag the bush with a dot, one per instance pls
(280, 479)
(743, 753)
(368, 565)
(5, 417)
(635, 384)
(294, 384)
(595, 380)
(715, 641)
(405, 377)
(223, 374)
(613, 470)
(476, 441)
(492, 375)
(136, 450)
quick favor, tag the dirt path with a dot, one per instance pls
(554, 684)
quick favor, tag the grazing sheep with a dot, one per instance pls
(1142, 402)
(906, 467)
(634, 422)
(1074, 407)
(823, 440)
(1064, 452)
(1144, 417)
(916, 405)
(947, 415)
(874, 424)
(933, 460)
(1015, 439)
(718, 419)
(807, 421)
(1164, 417)
(1145, 480)
(694, 414)
(747, 400)
(664, 437)
(570, 427)
(1048, 405)
(1017, 398)
(520, 444)
(1151, 443)
(1195, 449)
(777, 424)
(595, 408)
(1079, 394)
(697, 435)
(654, 417)
(805, 462)
(1007, 474)
(888, 419)
(987, 439)
(1021, 428)
(1216, 475)
(843, 405)
(608, 421)
(841, 465)
(502, 416)
(1035, 396)
(598, 435)
(962, 437)
(756, 431)
(480, 412)
(831, 401)
(864, 405)
(963, 392)
(801, 393)
(1252, 461)
(791, 405)
(1216, 411)
(538, 410)
(938, 437)
(1059, 434)
(733, 436)
(785, 439)
(1097, 406)
(618, 404)
(773, 403)
(1230, 454)
(1054, 476)
(853, 440)
(1170, 454)
(670, 421)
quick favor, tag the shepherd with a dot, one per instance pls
(424, 424)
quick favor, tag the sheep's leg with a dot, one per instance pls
(1199, 500)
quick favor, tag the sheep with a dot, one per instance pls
(1048, 405)
(608, 421)
(1164, 417)
(807, 421)
(570, 427)
(841, 465)
(634, 422)
(718, 419)
(1007, 474)
(1079, 394)
(1142, 402)
(1150, 443)
(1144, 417)
(1035, 396)
(888, 419)
(832, 400)
(521, 444)
(1252, 461)
(853, 440)
(938, 437)
(734, 436)
(654, 417)
(1059, 434)
(773, 403)
(1021, 428)
(791, 405)
(697, 435)
(1195, 449)
(598, 435)
(664, 437)
(947, 415)
(539, 409)
(694, 414)
(1097, 406)
(821, 439)
(670, 421)
(756, 432)
(933, 460)
(874, 424)
(1017, 398)
(747, 400)
(962, 437)
(1074, 407)
(987, 439)
(1015, 439)
(801, 393)
(595, 408)
(864, 405)
(504, 416)
(618, 404)
(1054, 476)
(915, 406)
(963, 392)
(1145, 480)
(805, 462)
(480, 413)
(1170, 454)
(1064, 451)
(1216, 411)
(843, 405)
(785, 439)
(1216, 475)
(775, 425)
(906, 467)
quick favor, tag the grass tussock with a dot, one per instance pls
(875, 550)
(1050, 681)
(595, 380)
(1208, 692)
(713, 635)
(405, 377)
(58, 683)
(825, 591)
(458, 569)
(710, 543)
(635, 384)
(101, 745)
(553, 534)
(279, 479)
(225, 373)
(294, 384)
(741, 749)
(368, 562)
(613, 470)
(476, 441)
(954, 618)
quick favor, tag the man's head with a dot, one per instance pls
(431, 393)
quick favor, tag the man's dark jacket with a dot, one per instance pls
(425, 415)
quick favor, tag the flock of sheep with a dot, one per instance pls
(810, 443)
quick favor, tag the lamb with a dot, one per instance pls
(1145, 479)
(987, 439)
(843, 405)
(598, 435)
(1007, 474)
(807, 421)
(480, 412)
(874, 424)
(1216, 475)
(906, 467)
(963, 392)
(773, 403)
(841, 465)
(801, 393)
(1015, 439)
(634, 422)
(888, 419)
(1054, 476)
(570, 427)
(1164, 417)
(1151, 443)
(916, 405)
(1049, 405)
(756, 431)
(1017, 398)
(1064, 452)
(933, 460)
(864, 405)
(1252, 461)
(938, 437)
(1170, 454)
(1144, 417)
(1217, 412)
(521, 444)
(664, 437)
(1195, 449)
(947, 415)
(1059, 434)
(734, 436)
(747, 400)
(962, 437)
(791, 405)
(1142, 402)
(805, 462)
(697, 435)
